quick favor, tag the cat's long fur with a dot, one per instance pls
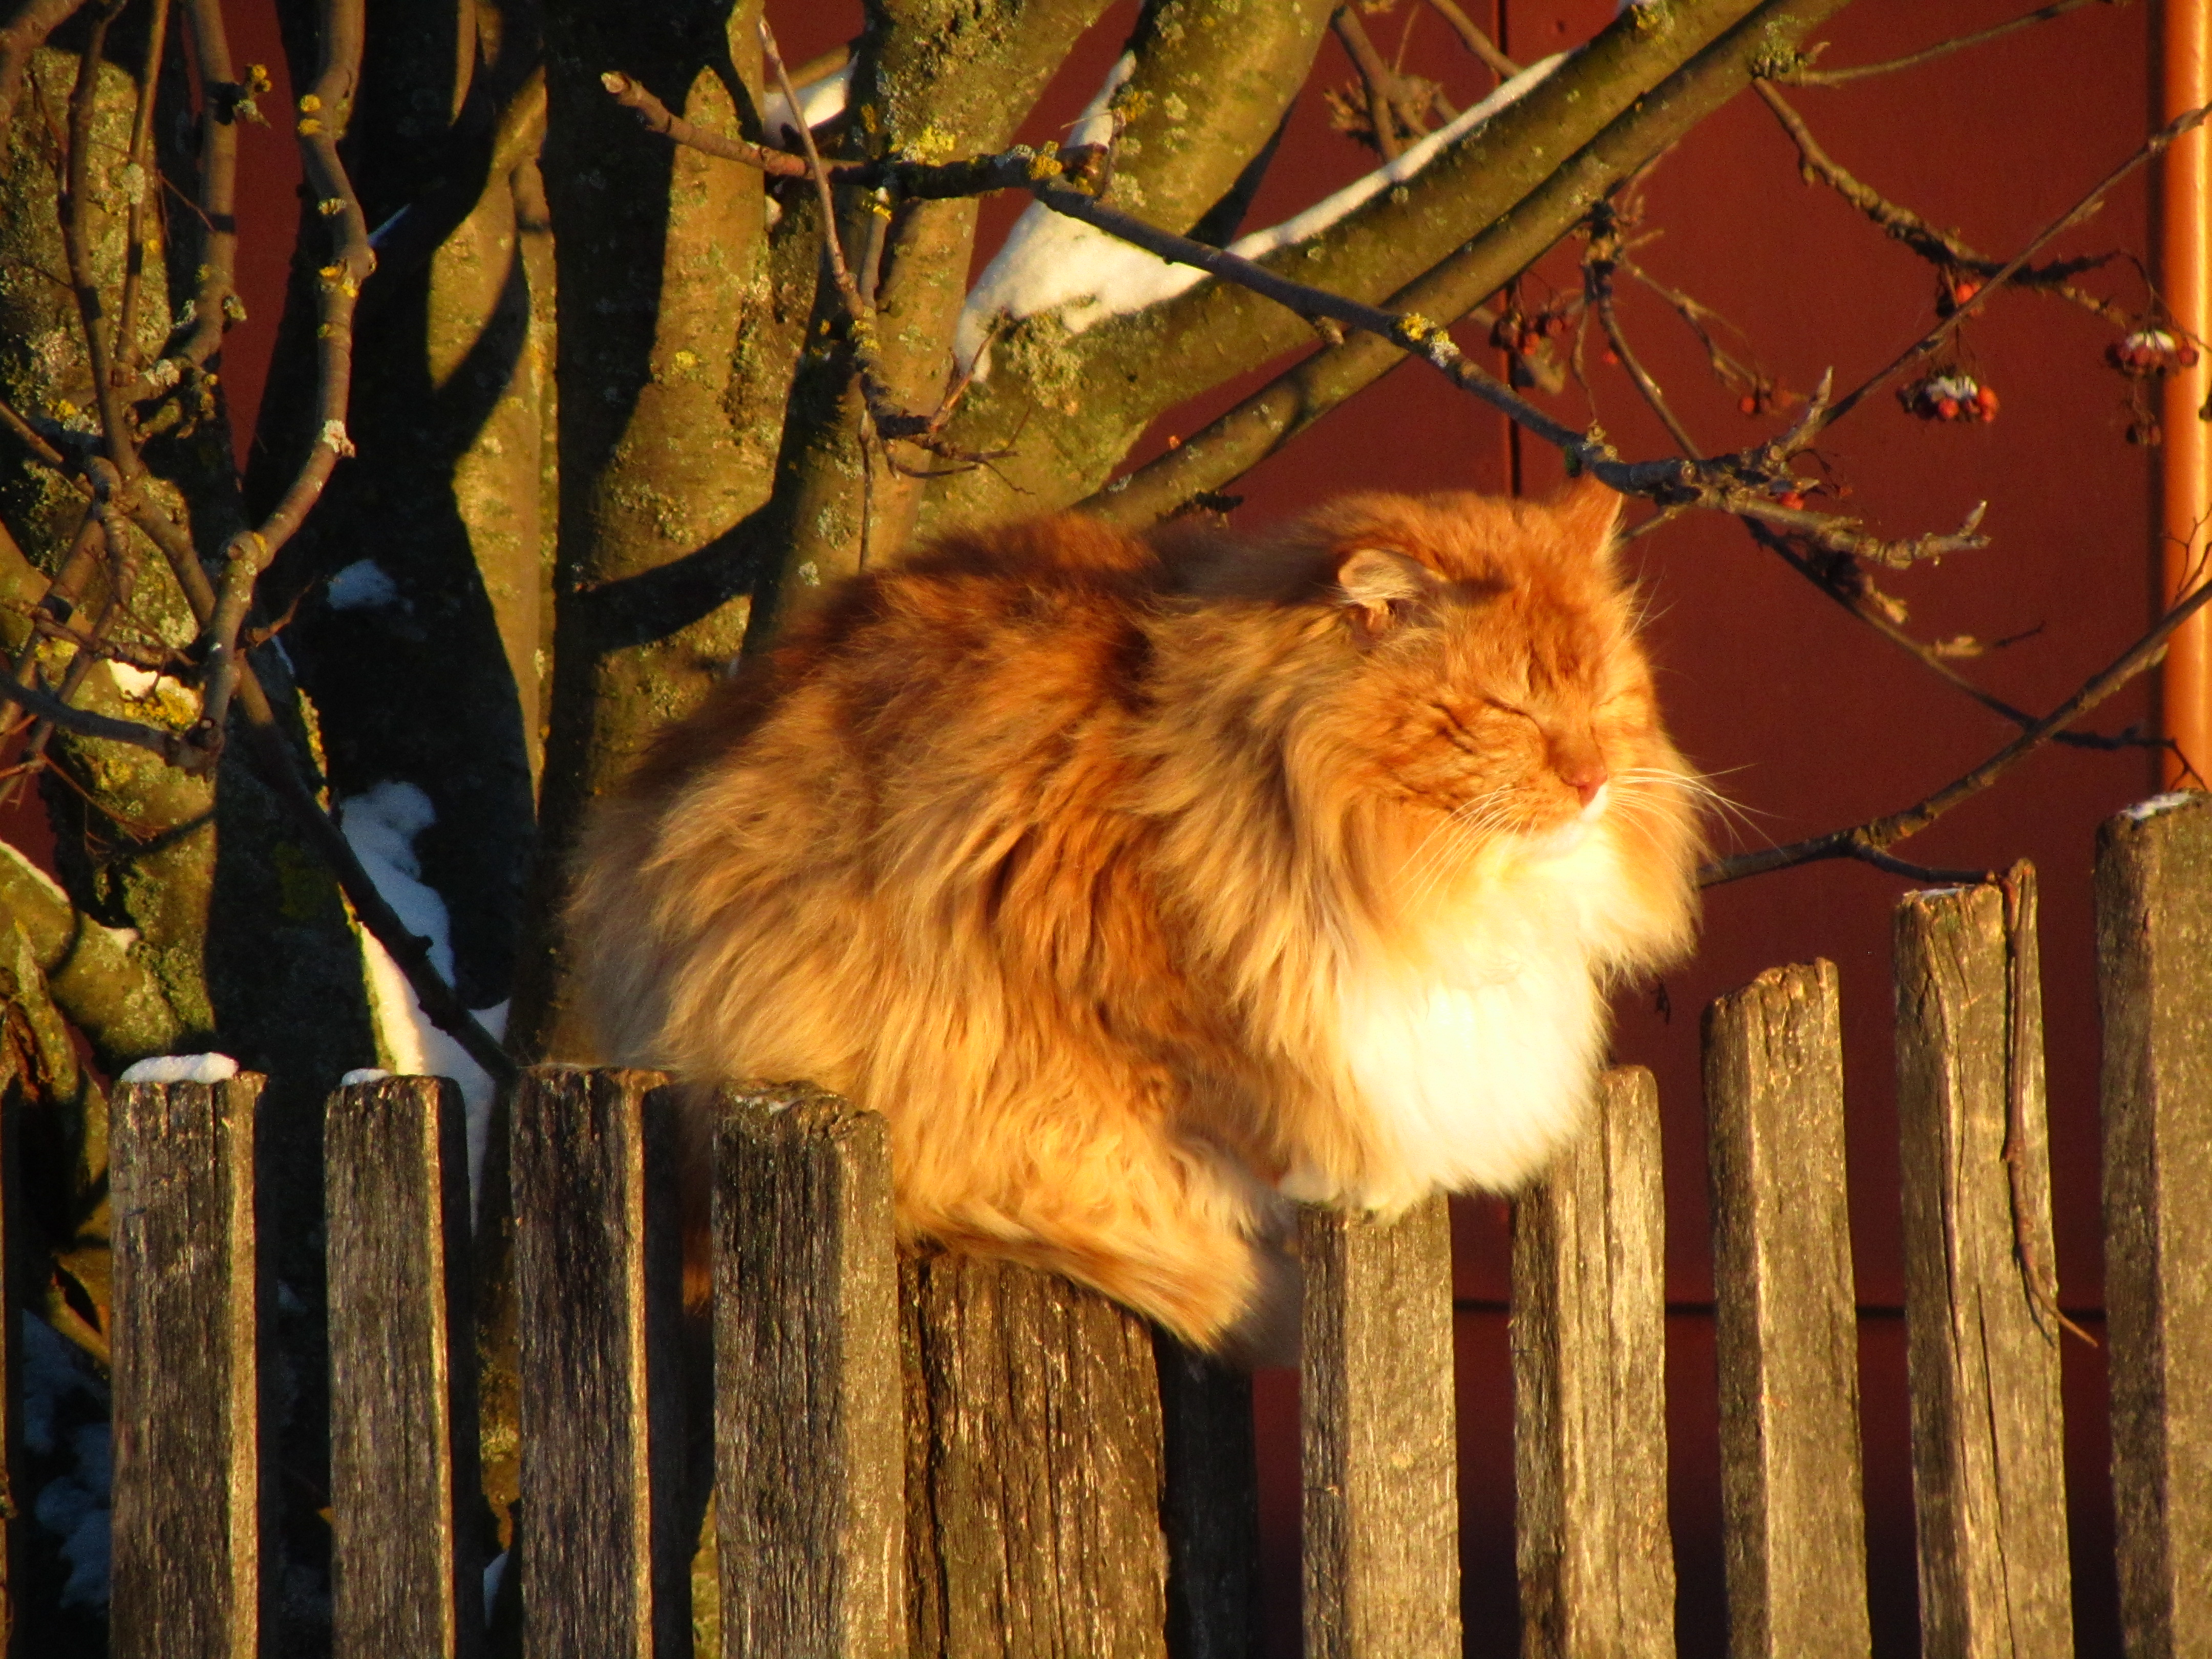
(1142, 881)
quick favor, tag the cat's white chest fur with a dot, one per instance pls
(1476, 1066)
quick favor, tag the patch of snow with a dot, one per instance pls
(24, 866)
(73, 1503)
(819, 100)
(495, 1571)
(2143, 810)
(180, 1068)
(1095, 124)
(363, 1074)
(380, 825)
(1052, 263)
(136, 682)
(364, 585)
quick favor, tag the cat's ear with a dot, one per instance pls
(1380, 586)
(1588, 512)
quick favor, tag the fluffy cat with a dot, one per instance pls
(1146, 883)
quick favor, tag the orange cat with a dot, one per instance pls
(1146, 883)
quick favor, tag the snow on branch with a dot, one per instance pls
(1050, 262)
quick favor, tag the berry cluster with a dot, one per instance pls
(1521, 334)
(2149, 352)
(1949, 397)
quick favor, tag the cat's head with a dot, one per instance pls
(1462, 674)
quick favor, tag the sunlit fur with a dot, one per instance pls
(1142, 882)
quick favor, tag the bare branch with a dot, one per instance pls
(142, 157)
(1598, 263)
(1376, 79)
(324, 112)
(1878, 835)
(1475, 39)
(1812, 77)
(1941, 248)
(1839, 579)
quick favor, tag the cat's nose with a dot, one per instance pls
(1588, 781)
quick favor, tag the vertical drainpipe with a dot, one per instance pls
(2185, 253)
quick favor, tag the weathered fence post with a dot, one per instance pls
(1981, 1316)
(809, 1424)
(1589, 1418)
(187, 1485)
(1033, 1466)
(2154, 983)
(605, 1565)
(1793, 1514)
(1374, 1409)
(406, 1567)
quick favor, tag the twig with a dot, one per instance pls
(139, 175)
(1875, 837)
(1598, 265)
(1727, 369)
(324, 112)
(1829, 582)
(224, 102)
(175, 747)
(1374, 78)
(1475, 39)
(1941, 248)
(32, 439)
(1812, 77)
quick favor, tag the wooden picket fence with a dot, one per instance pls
(935, 1456)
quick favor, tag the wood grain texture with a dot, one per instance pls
(1033, 1467)
(406, 1566)
(809, 1417)
(1792, 1505)
(188, 1504)
(1589, 1366)
(1375, 1411)
(605, 1564)
(2154, 986)
(1211, 1510)
(1989, 1481)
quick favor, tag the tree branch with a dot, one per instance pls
(1475, 39)
(324, 112)
(1812, 77)
(1852, 599)
(1868, 842)
(1943, 249)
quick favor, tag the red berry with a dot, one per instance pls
(1608, 356)
(1947, 408)
(1791, 499)
(1962, 292)
(1987, 397)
